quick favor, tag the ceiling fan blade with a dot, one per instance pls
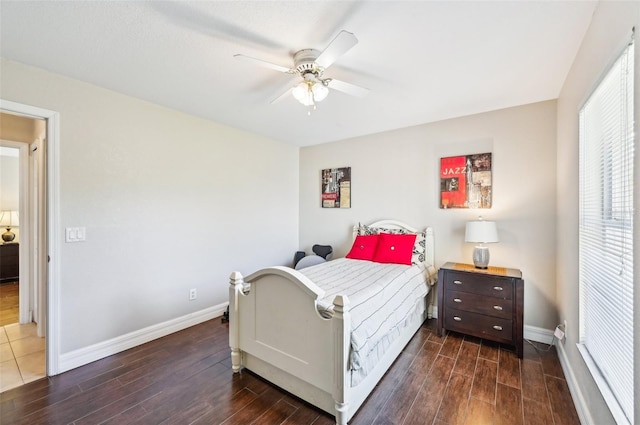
(338, 47)
(286, 93)
(265, 64)
(348, 88)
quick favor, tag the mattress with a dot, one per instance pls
(383, 298)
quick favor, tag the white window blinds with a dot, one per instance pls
(606, 235)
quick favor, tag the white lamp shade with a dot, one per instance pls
(481, 231)
(300, 91)
(310, 91)
(9, 219)
(320, 91)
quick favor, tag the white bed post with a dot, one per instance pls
(235, 289)
(342, 336)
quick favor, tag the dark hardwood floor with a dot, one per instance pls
(186, 378)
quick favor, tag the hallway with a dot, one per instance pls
(22, 355)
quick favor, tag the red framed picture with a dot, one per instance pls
(465, 181)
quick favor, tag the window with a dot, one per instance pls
(606, 235)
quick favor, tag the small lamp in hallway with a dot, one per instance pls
(8, 219)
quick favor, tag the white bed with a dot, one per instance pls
(286, 328)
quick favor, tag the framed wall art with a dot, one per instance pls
(465, 181)
(336, 187)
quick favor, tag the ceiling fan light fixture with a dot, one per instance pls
(310, 91)
(320, 91)
(303, 94)
(301, 91)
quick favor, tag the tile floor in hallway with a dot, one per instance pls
(22, 357)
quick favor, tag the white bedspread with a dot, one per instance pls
(383, 298)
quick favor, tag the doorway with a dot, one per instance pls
(22, 276)
(38, 214)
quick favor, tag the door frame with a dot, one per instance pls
(52, 230)
(24, 209)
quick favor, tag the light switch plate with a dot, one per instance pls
(75, 234)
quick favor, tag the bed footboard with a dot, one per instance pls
(276, 331)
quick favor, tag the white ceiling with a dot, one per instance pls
(422, 60)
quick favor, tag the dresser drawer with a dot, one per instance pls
(10, 249)
(479, 284)
(482, 304)
(8, 261)
(479, 325)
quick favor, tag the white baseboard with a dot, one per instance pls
(576, 393)
(107, 348)
(534, 333)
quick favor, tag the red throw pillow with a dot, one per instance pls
(364, 247)
(396, 249)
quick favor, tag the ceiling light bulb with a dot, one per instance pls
(307, 100)
(303, 94)
(320, 91)
(300, 91)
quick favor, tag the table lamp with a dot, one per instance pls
(8, 219)
(481, 232)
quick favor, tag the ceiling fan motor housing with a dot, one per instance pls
(305, 62)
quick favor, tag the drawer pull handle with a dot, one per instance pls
(497, 327)
(497, 307)
(458, 300)
(457, 319)
(457, 282)
(498, 288)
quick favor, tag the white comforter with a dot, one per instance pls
(383, 298)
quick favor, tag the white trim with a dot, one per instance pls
(115, 345)
(610, 399)
(534, 333)
(53, 244)
(576, 393)
(53, 224)
(24, 293)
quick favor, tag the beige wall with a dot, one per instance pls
(396, 175)
(9, 188)
(169, 201)
(609, 31)
(21, 129)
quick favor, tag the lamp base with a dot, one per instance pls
(481, 257)
(8, 236)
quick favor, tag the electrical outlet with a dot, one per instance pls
(559, 333)
(193, 294)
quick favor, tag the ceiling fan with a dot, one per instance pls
(310, 65)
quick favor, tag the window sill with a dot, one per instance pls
(605, 391)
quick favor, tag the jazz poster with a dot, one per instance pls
(336, 188)
(465, 181)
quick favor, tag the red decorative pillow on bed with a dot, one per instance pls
(364, 247)
(396, 249)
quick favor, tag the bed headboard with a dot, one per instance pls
(398, 225)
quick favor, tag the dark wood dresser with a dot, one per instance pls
(9, 262)
(483, 303)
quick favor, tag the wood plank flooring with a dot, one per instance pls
(186, 378)
(9, 304)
